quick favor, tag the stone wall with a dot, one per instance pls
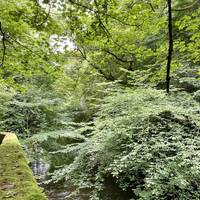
(16, 178)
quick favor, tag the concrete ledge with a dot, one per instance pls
(1, 137)
(16, 179)
(9, 138)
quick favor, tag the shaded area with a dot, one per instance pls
(53, 191)
(1, 137)
(64, 191)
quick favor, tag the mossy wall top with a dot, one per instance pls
(16, 178)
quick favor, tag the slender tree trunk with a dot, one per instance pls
(3, 34)
(170, 49)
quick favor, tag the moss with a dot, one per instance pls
(16, 178)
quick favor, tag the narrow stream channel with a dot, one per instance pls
(62, 192)
(40, 170)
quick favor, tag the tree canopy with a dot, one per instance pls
(85, 82)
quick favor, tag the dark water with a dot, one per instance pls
(63, 192)
(40, 170)
(54, 192)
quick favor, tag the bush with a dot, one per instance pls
(148, 142)
(27, 113)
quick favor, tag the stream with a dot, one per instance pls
(62, 192)
(40, 170)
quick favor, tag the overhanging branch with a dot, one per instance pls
(47, 14)
(187, 7)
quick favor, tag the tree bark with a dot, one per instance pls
(3, 44)
(170, 48)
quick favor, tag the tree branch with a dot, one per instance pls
(187, 7)
(81, 5)
(117, 57)
(25, 47)
(47, 14)
(107, 77)
(151, 6)
(103, 27)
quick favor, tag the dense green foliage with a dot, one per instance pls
(82, 82)
(145, 140)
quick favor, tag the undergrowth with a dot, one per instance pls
(146, 141)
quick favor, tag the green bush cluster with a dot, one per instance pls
(145, 140)
(29, 112)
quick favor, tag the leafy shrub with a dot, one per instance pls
(147, 142)
(30, 112)
(197, 95)
(5, 96)
(51, 145)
